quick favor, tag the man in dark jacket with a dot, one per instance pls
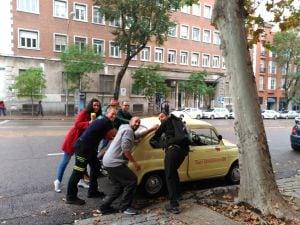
(123, 114)
(174, 156)
(86, 153)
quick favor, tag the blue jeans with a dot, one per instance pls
(62, 166)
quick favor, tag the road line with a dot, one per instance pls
(3, 122)
(54, 154)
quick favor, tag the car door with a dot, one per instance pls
(207, 157)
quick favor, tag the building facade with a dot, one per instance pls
(35, 32)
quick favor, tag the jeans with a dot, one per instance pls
(62, 166)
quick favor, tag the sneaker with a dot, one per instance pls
(96, 194)
(86, 178)
(82, 184)
(107, 210)
(130, 211)
(57, 186)
(172, 209)
(75, 201)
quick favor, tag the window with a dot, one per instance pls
(80, 12)
(106, 84)
(173, 31)
(115, 23)
(282, 83)
(204, 136)
(217, 38)
(271, 83)
(196, 34)
(216, 61)
(272, 67)
(81, 42)
(206, 60)
(145, 54)
(159, 55)
(262, 68)
(28, 39)
(206, 36)
(28, 6)
(98, 46)
(184, 31)
(172, 56)
(60, 42)
(60, 8)
(185, 9)
(223, 63)
(195, 59)
(184, 58)
(97, 16)
(114, 50)
(196, 9)
(261, 83)
(207, 11)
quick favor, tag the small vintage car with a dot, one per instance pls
(210, 156)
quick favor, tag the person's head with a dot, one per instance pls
(134, 123)
(94, 106)
(114, 103)
(111, 134)
(111, 113)
(163, 116)
(125, 106)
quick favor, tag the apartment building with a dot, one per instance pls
(35, 32)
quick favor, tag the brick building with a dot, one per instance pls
(36, 31)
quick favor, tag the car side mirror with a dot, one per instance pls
(220, 137)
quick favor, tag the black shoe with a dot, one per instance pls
(107, 210)
(96, 194)
(75, 201)
(172, 209)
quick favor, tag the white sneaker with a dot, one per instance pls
(57, 186)
(82, 184)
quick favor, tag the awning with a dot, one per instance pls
(271, 100)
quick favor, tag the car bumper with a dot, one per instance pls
(295, 141)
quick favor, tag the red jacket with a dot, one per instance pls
(81, 123)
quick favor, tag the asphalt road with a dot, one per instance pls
(30, 153)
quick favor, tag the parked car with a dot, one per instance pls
(216, 113)
(193, 113)
(210, 156)
(295, 137)
(270, 114)
(291, 114)
(297, 119)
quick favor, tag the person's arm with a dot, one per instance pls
(128, 155)
(82, 120)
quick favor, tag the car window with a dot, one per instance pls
(204, 136)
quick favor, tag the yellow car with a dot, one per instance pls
(210, 156)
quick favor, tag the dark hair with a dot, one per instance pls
(89, 107)
(164, 112)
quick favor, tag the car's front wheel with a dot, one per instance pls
(153, 184)
(198, 117)
(212, 117)
(275, 117)
(233, 176)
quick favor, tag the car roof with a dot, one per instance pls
(150, 121)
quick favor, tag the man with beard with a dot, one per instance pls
(115, 160)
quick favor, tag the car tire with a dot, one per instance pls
(198, 117)
(295, 148)
(233, 176)
(226, 117)
(181, 116)
(275, 117)
(212, 117)
(154, 184)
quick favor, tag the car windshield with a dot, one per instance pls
(209, 110)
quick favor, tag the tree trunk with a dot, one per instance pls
(258, 186)
(32, 107)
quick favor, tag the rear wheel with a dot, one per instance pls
(198, 117)
(233, 176)
(212, 117)
(275, 117)
(153, 184)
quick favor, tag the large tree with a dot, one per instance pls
(286, 46)
(258, 186)
(30, 83)
(140, 21)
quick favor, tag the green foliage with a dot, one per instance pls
(30, 83)
(286, 46)
(80, 61)
(148, 82)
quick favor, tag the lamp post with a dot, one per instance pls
(71, 15)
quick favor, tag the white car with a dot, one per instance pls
(189, 112)
(289, 114)
(216, 113)
(270, 114)
(297, 119)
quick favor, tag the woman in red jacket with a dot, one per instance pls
(83, 119)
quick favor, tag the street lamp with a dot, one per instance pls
(71, 15)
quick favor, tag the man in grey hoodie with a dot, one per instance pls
(115, 160)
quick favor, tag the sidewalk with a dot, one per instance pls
(192, 213)
(29, 117)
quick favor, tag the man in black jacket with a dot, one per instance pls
(174, 156)
(86, 153)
